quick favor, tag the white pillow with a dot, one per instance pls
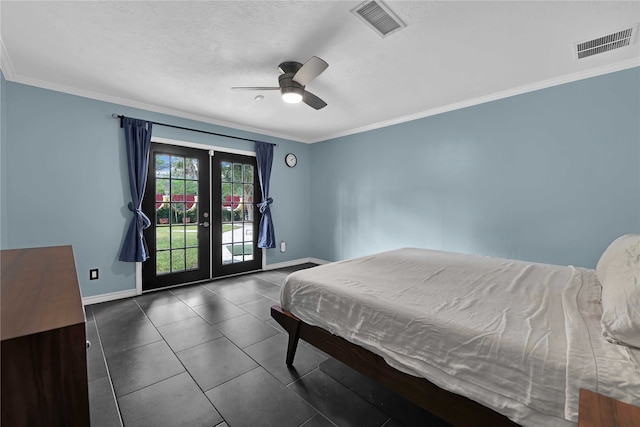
(613, 252)
(619, 274)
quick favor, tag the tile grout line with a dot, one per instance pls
(306, 401)
(106, 366)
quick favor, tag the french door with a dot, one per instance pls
(181, 184)
(235, 190)
(177, 201)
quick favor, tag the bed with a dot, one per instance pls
(474, 338)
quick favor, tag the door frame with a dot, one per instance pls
(212, 149)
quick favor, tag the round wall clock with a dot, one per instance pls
(291, 160)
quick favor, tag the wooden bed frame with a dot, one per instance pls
(453, 408)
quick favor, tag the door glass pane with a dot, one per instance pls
(163, 262)
(227, 254)
(237, 172)
(177, 260)
(191, 215)
(236, 203)
(162, 187)
(191, 236)
(177, 237)
(163, 208)
(238, 252)
(191, 168)
(248, 173)
(248, 251)
(163, 240)
(227, 235)
(192, 258)
(177, 167)
(248, 202)
(225, 168)
(163, 165)
(177, 213)
(191, 200)
(226, 191)
(177, 190)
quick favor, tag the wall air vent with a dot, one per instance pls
(606, 43)
(379, 17)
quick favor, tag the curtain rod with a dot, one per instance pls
(120, 116)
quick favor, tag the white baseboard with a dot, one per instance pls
(293, 262)
(132, 293)
(109, 297)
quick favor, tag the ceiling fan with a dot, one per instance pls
(294, 76)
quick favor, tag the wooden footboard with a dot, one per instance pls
(455, 409)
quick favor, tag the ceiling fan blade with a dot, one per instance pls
(312, 100)
(310, 70)
(255, 88)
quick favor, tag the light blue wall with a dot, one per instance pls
(3, 157)
(65, 181)
(550, 176)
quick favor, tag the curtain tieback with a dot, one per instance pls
(265, 204)
(146, 222)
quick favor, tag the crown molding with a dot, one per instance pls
(568, 78)
(5, 62)
(10, 75)
(144, 106)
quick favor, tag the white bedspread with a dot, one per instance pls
(521, 338)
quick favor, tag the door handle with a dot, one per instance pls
(204, 224)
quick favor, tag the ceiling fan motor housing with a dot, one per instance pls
(290, 86)
(289, 67)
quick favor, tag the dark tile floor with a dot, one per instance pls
(210, 355)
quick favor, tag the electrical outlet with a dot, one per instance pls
(93, 274)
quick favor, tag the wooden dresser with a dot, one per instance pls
(597, 410)
(43, 350)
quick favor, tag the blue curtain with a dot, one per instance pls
(264, 158)
(137, 135)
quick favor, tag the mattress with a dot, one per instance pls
(521, 338)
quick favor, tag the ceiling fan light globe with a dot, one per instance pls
(292, 97)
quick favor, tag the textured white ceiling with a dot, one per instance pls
(182, 57)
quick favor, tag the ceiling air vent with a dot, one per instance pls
(379, 17)
(606, 43)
